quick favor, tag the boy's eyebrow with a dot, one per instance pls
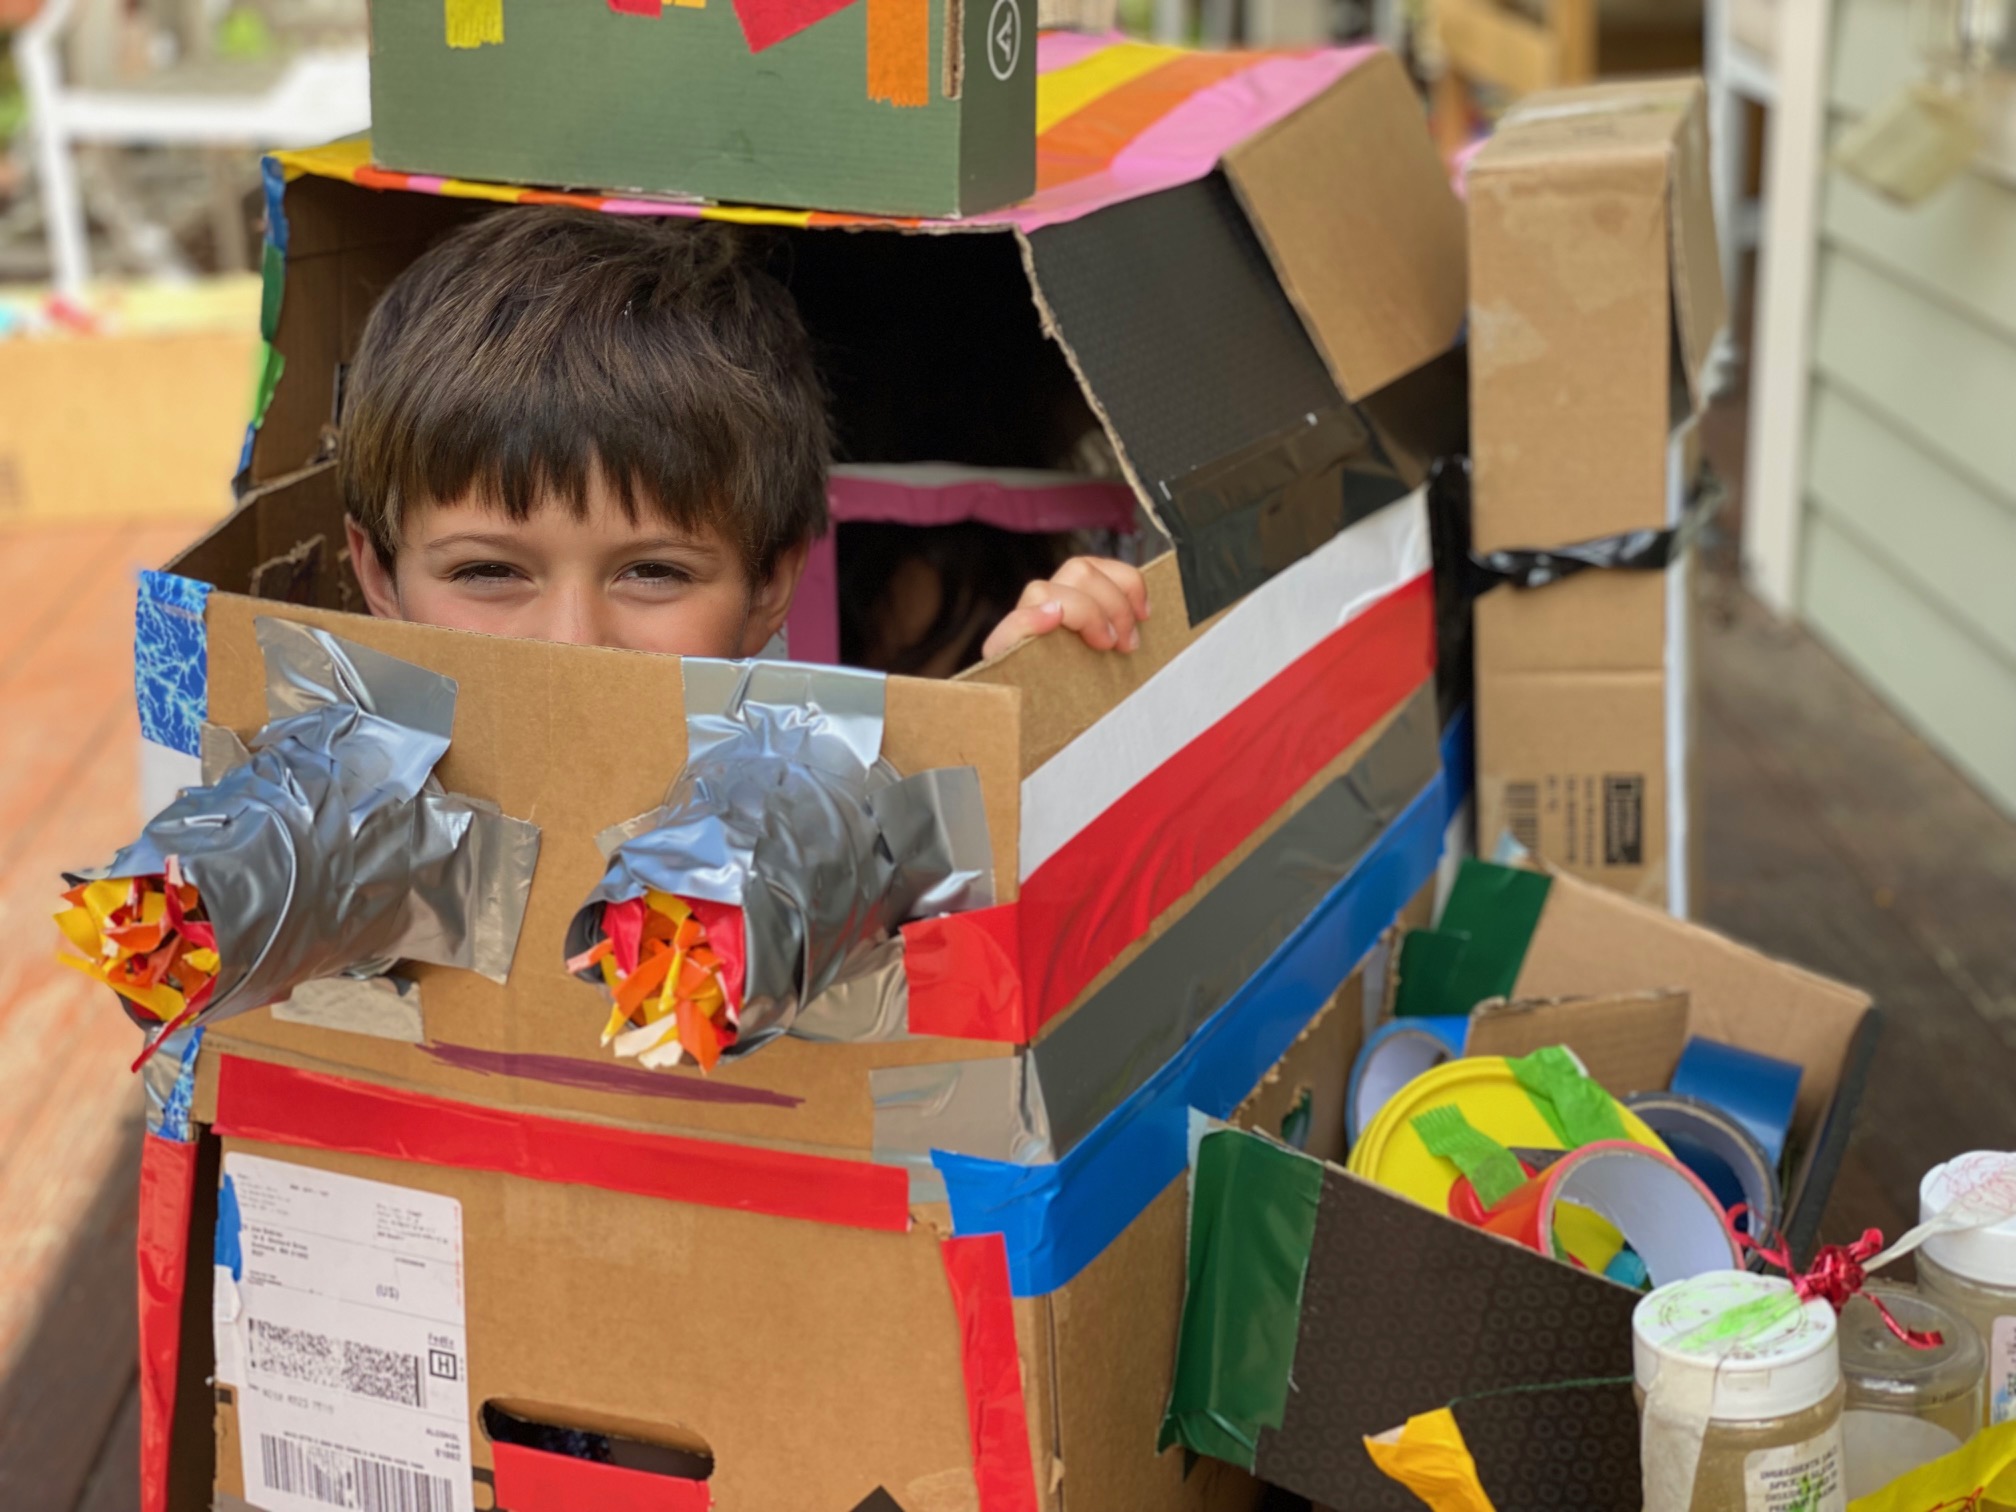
(507, 542)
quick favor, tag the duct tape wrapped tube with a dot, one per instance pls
(1716, 1146)
(779, 866)
(329, 849)
(1396, 1053)
(1758, 1091)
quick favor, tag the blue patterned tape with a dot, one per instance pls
(171, 666)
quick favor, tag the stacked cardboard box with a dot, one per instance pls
(791, 1283)
(1596, 295)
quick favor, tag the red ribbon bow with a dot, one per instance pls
(1835, 1275)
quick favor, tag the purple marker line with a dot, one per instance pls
(595, 1076)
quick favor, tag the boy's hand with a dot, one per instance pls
(1103, 601)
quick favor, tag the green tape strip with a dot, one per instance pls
(1493, 1170)
(1576, 1108)
(272, 280)
(1430, 978)
(1477, 947)
(1252, 1217)
(271, 365)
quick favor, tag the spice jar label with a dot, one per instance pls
(2002, 1370)
(1803, 1477)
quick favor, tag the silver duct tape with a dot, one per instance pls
(1130, 1028)
(331, 849)
(989, 1108)
(167, 1082)
(869, 1004)
(384, 1007)
(786, 809)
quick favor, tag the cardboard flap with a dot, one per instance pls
(1352, 204)
(1700, 304)
(1629, 1041)
(1591, 940)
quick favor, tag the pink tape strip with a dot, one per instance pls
(1056, 507)
(1187, 143)
(1060, 49)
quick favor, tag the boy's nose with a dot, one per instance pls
(575, 618)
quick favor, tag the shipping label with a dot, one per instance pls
(341, 1310)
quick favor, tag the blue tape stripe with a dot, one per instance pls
(274, 178)
(1459, 758)
(227, 1250)
(171, 663)
(1057, 1218)
(174, 1121)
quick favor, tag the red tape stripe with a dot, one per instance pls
(531, 1480)
(1102, 890)
(167, 1195)
(977, 1267)
(279, 1105)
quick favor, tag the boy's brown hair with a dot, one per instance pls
(534, 346)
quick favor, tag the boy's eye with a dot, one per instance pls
(658, 572)
(484, 572)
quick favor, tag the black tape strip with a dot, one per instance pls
(1240, 519)
(878, 1500)
(1632, 551)
(1130, 1028)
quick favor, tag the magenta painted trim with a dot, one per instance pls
(812, 630)
(426, 183)
(1081, 505)
(1187, 143)
(598, 1076)
(650, 207)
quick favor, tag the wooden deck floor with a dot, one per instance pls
(1832, 837)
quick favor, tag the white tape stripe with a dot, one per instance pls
(164, 772)
(1256, 641)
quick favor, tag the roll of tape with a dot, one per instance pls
(1759, 1091)
(1666, 1213)
(1719, 1149)
(1397, 1052)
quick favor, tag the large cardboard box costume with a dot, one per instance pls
(939, 1267)
(1596, 298)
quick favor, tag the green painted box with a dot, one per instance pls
(881, 107)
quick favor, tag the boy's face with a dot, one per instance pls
(598, 580)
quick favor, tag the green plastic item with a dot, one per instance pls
(1252, 1218)
(1494, 1172)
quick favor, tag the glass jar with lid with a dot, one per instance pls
(1973, 1271)
(1764, 1370)
(1906, 1406)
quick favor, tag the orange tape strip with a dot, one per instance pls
(1088, 140)
(899, 51)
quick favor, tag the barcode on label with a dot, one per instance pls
(337, 1479)
(1522, 813)
(315, 1359)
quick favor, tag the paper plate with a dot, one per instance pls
(1390, 1153)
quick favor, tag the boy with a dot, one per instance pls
(568, 426)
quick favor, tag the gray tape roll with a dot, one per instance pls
(1717, 1148)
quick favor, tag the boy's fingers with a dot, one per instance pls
(1086, 572)
(1088, 576)
(1039, 615)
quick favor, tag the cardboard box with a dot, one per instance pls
(1596, 295)
(133, 421)
(1147, 953)
(1453, 1315)
(890, 107)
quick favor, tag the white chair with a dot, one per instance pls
(1740, 49)
(311, 97)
